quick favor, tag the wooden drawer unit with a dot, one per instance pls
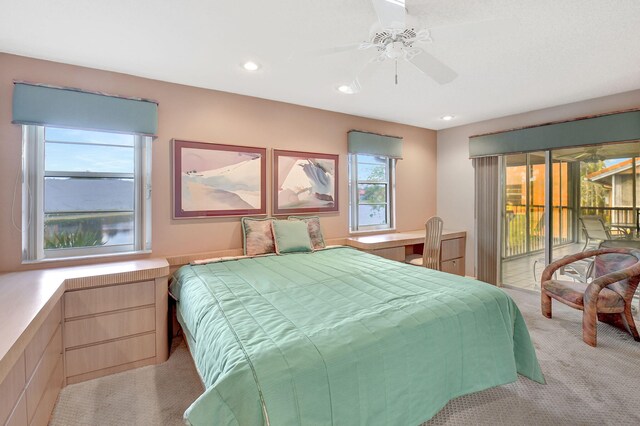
(455, 266)
(88, 330)
(114, 328)
(41, 340)
(105, 355)
(393, 253)
(452, 251)
(38, 383)
(29, 392)
(105, 299)
(19, 415)
(11, 388)
(400, 245)
(96, 319)
(49, 396)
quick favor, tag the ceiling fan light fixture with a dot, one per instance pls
(251, 66)
(394, 50)
(448, 117)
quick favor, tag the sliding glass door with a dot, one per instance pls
(606, 198)
(594, 195)
(523, 212)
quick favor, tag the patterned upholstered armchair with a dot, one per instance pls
(607, 298)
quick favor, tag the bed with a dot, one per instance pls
(339, 336)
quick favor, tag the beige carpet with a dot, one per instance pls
(586, 386)
(153, 395)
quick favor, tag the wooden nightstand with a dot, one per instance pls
(115, 324)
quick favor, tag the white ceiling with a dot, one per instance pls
(511, 56)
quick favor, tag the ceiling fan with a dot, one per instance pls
(393, 40)
(590, 155)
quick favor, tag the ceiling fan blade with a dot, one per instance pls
(355, 83)
(391, 13)
(432, 67)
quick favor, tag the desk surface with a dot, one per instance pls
(397, 239)
(29, 296)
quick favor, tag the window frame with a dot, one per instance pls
(33, 214)
(354, 199)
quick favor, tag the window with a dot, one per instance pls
(372, 190)
(84, 193)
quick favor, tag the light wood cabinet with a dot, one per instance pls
(49, 397)
(106, 299)
(42, 374)
(455, 266)
(94, 319)
(112, 325)
(452, 257)
(11, 389)
(19, 415)
(393, 253)
(42, 339)
(398, 245)
(114, 328)
(111, 354)
(31, 388)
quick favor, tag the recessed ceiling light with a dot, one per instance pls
(250, 66)
(349, 89)
(448, 117)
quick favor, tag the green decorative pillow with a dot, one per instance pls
(315, 232)
(291, 236)
(257, 236)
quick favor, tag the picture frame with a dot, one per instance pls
(304, 182)
(216, 180)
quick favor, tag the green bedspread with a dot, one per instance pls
(343, 337)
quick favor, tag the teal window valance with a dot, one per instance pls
(43, 105)
(618, 127)
(374, 144)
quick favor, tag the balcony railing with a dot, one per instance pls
(611, 215)
(524, 233)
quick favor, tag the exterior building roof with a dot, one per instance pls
(609, 171)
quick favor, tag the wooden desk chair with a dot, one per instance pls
(607, 298)
(431, 253)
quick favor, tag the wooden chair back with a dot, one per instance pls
(433, 236)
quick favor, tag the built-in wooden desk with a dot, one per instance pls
(398, 245)
(76, 313)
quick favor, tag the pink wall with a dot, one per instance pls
(191, 113)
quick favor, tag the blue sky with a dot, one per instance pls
(107, 155)
(614, 161)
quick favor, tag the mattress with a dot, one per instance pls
(340, 336)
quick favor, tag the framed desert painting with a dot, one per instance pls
(218, 180)
(304, 182)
